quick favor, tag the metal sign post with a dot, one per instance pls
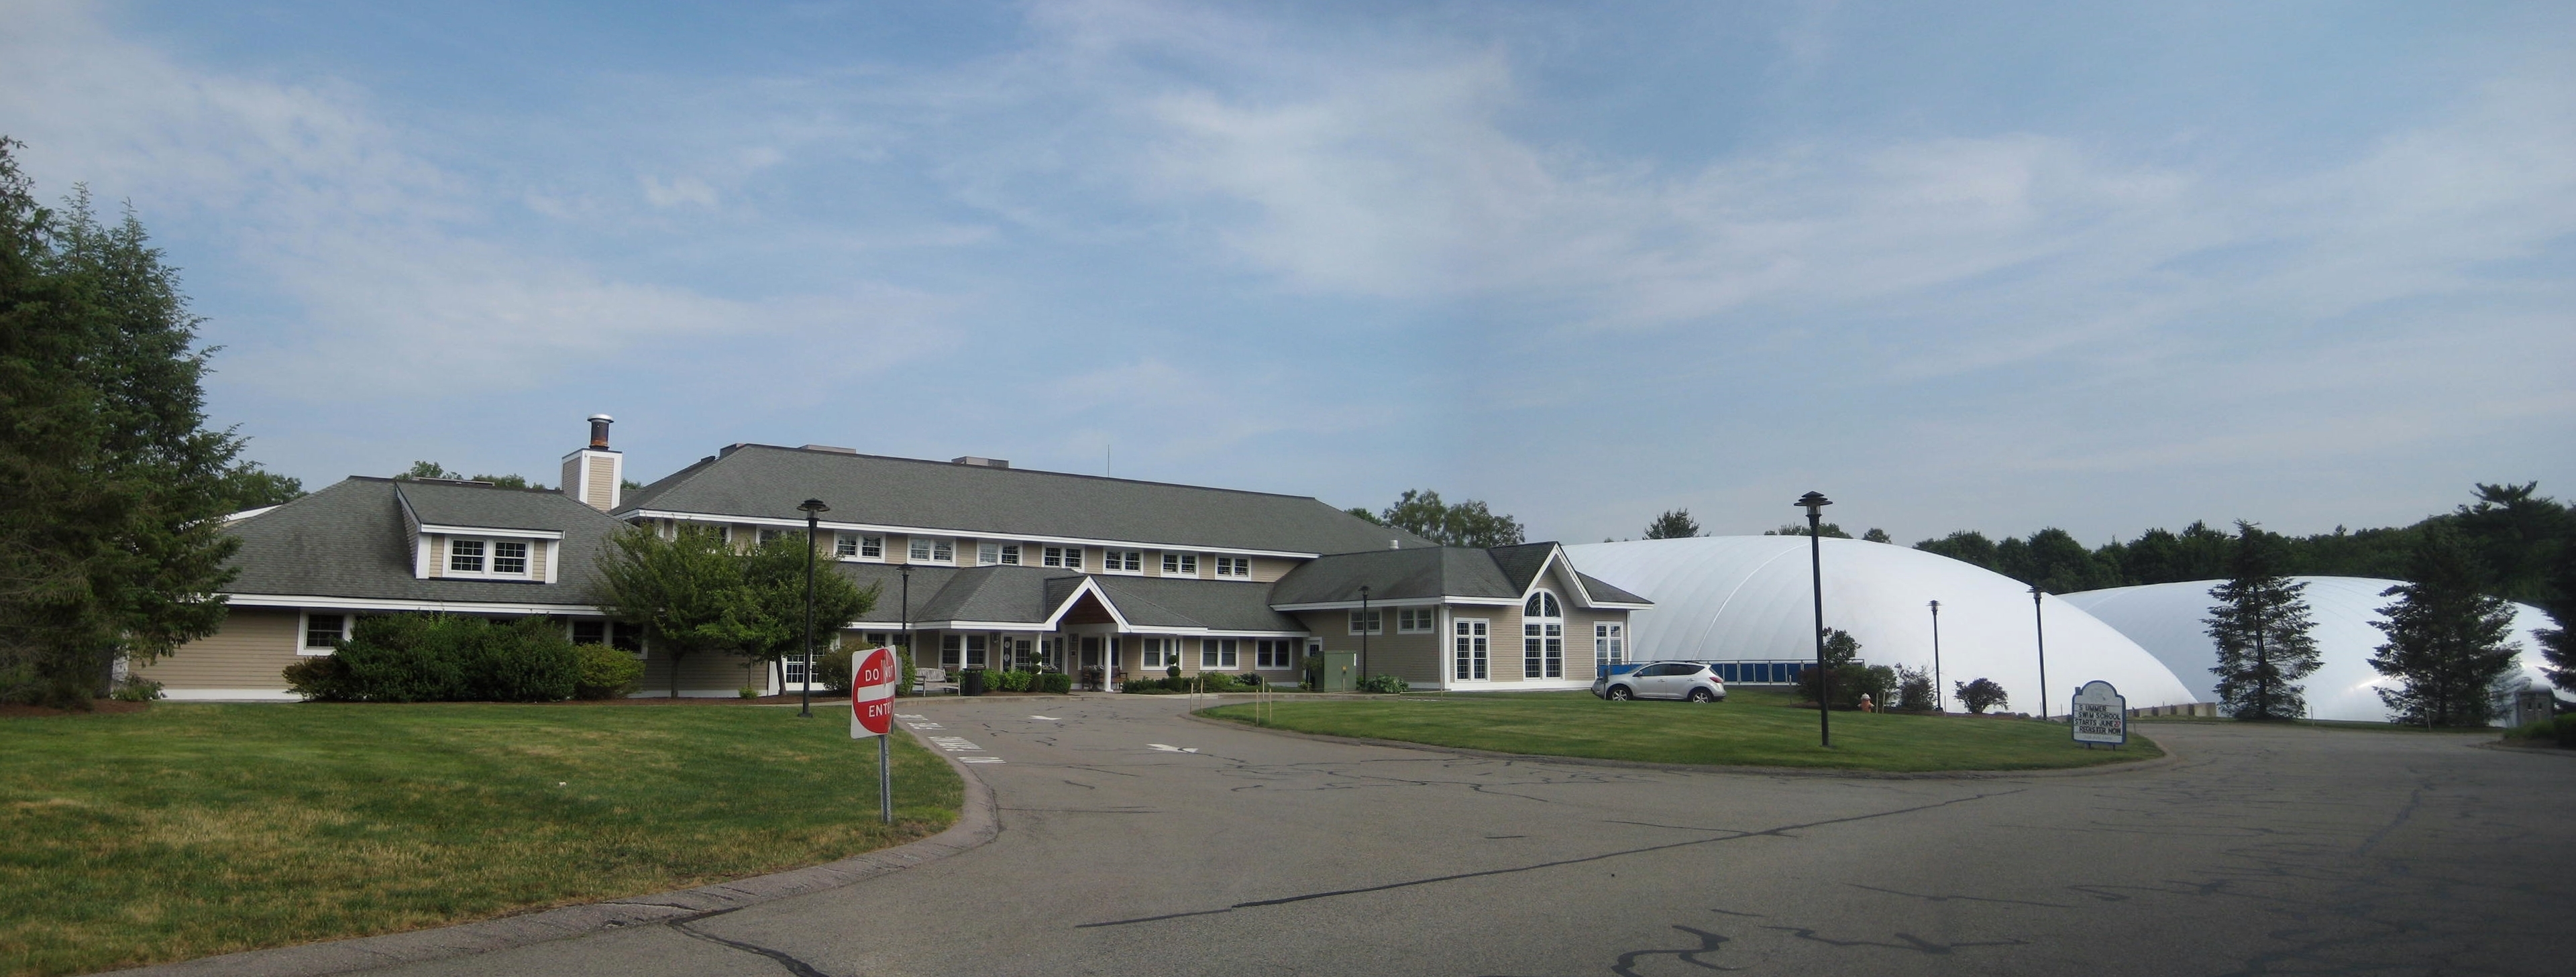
(2101, 715)
(872, 714)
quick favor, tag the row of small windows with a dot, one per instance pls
(1153, 654)
(933, 549)
(1408, 620)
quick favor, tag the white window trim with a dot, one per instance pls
(1105, 566)
(1449, 650)
(447, 558)
(933, 544)
(1170, 565)
(1377, 620)
(1426, 620)
(1061, 552)
(858, 547)
(1212, 653)
(954, 531)
(1227, 566)
(304, 626)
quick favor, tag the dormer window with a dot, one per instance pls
(503, 558)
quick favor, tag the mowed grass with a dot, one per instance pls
(192, 830)
(1752, 728)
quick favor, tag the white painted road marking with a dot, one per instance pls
(979, 759)
(956, 744)
(1051, 719)
(909, 715)
(925, 726)
(1167, 748)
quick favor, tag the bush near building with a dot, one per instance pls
(444, 658)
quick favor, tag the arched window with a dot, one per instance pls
(1542, 637)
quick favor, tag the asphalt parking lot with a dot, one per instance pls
(1136, 841)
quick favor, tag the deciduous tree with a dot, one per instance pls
(1673, 524)
(1467, 523)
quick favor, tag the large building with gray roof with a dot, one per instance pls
(976, 565)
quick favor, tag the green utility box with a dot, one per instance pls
(1341, 671)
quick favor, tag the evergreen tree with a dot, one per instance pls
(112, 488)
(1876, 535)
(2260, 625)
(1673, 524)
(2448, 642)
(1826, 530)
(2558, 644)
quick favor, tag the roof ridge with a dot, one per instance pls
(1020, 471)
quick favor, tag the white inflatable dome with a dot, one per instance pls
(1747, 598)
(2168, 620)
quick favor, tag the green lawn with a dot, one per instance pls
(192, 830)
(1753, 727)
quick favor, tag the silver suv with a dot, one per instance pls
(1694, 681)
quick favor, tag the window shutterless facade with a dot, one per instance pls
(1417, 620)
(1122, 561)
(1371, 621)
(1470, 649)
(1542, 637)
(997, 554)
(767, 534)
(952, 651)
(497, 558)
(1068, 557)
(1180, 564)
(852, 545)
(618, 635)
(323, 633)
(1234, 567)
(931, 549)
(1609, 645)
(1281, 653)
(1217, 653)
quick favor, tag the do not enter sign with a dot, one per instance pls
(872, 694)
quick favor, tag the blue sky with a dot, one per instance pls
(1994, 266)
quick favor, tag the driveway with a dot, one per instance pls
(1137, 842)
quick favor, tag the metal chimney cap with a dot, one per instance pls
(602, 417)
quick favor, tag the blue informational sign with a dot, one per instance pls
(2101, 715)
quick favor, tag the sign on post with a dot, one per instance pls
(2101, 715)
(872, 694)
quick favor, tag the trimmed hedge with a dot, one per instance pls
(605, 672)
(443, 658)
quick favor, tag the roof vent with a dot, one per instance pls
(1395, 544)
(599, 430)
(833, 448)
(979, 462)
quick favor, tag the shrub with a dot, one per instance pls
(1009, 681)
(136, 690)
(1913, 690)
(1142, 685)
(603, 672)
(1214, 682)
(1982, 694)
(1057, 683)
(1850, 682)
(833, 668)
(1249, 681)
(747, 692)
(443, 658)
(1389, 684)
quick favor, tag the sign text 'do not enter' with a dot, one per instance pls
(872, 694)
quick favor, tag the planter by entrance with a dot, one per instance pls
(971, 682)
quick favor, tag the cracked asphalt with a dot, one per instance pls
(2264, 851)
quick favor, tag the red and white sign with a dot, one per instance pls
(872, 694)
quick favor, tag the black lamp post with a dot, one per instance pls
(1816, 503)
(1937, 704)
(1367, 624)
(813, 510)
(2039, 628)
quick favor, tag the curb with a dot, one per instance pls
(2502, 747)
(977, 824)
(2135, 766)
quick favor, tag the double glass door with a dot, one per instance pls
(1470, 649)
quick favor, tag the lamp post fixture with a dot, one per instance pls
(813, 510)
(1367, 624)
(1937, 705)
(2039, 629)
(1815, 502)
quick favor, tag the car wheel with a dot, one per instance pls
(1703, 695)
(1620, 693)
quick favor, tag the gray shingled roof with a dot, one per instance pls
(1029, 594)
(1449, 571)
(768, 482)
(349, 540)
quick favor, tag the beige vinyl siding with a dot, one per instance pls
(1412, 657)
(1579, 651)
(539, 551)
(603, 482)
(254, 646)
(1266, 569)
(898, 548)
(437, 555)
(571, 474)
